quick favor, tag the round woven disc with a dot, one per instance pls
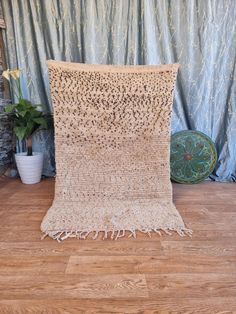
(193, 156)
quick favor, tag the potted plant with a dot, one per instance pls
(27, 119)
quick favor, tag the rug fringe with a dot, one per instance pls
(114, 234)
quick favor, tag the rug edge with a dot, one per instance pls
(112, 68)
(114, 234)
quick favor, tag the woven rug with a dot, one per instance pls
(112, 137)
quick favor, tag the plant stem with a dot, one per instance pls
(29, 146)
(19, 88)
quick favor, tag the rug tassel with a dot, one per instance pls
(67, 235)
(78, 234)
(96, 235)
(112, 234)
(158, 232)
(188, 232)
(57, 236)
(105, 235)
(122, 234)
(118, 235)
(44, 236)
(115, 234)
(133, 234)
(84, 236)
(167, 231)
(181, 233)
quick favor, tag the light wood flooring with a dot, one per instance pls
(167, 274)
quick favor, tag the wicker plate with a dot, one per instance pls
(193, 156)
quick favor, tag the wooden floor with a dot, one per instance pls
(167, 274)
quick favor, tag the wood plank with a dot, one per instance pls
(34, 247)
(79, 287)
(15, 201)
(191, 285)
(211, 305)
(9, 235)
(150, 264)
(10, 265)
(200, 248)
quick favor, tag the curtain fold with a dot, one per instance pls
(198, 34)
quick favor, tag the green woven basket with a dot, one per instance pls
(193, 157)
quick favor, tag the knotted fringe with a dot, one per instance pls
(114, 235)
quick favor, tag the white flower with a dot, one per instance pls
(15, 74)
(6, 74)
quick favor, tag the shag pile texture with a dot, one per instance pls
(112, 136)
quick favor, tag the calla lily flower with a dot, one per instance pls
(6, 74)
(15, 74)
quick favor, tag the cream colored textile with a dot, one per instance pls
(112, 134)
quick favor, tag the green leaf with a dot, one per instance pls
(30, 128)
(41, 121)
(25, 103)
(20, 132)
(9, 108)
(35, 113)
(22, 113)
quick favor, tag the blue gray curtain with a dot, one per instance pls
(198, 34)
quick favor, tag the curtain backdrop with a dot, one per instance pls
(200, 35)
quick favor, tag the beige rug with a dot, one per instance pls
(112, 135)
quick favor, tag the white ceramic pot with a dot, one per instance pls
(29, 167)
